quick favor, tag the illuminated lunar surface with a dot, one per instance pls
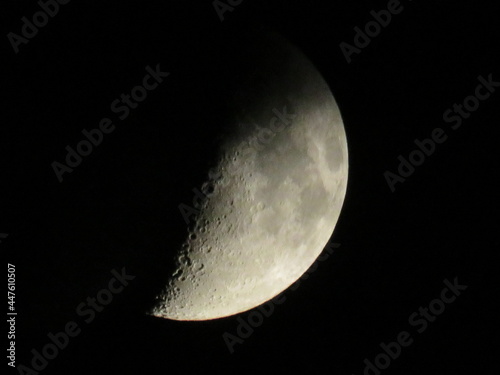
(275, 197)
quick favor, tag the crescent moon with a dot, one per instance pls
(273, 198)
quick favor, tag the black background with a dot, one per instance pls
(118, 208)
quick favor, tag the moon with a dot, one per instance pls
(274, 196)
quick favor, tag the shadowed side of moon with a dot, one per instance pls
(275, 193)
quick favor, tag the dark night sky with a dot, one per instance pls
(118, 208)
